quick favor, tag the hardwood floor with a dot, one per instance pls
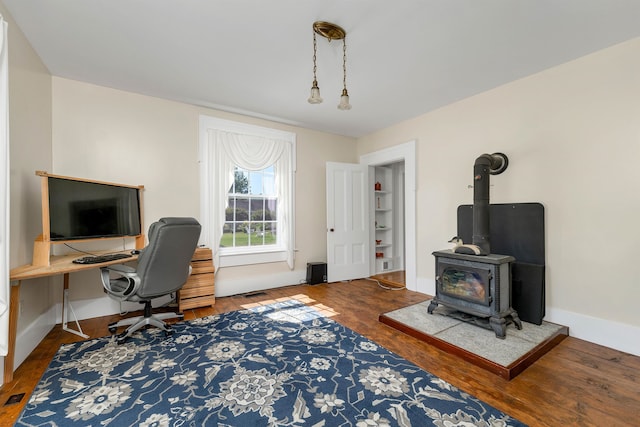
(576, 384)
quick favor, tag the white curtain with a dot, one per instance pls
(4, 191)
(229, 149)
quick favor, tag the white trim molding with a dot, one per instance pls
(403, 152)
(619, 336)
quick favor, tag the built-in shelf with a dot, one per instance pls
(386, 211)
(383, 214)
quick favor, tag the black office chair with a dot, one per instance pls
(163, 268)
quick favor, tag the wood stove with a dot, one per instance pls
(469, 278)
(476, 285)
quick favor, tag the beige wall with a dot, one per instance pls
(572, 135)
(30, 133)
(30, 149)
(111, 135)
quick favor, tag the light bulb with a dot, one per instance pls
(344, 101)
(315, 97)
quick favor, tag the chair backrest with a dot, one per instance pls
(163, 265)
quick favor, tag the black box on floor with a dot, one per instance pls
(316, 272)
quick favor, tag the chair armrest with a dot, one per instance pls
(128, 282)
(120, 269)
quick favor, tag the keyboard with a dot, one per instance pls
(97, 259)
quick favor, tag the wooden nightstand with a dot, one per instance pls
(199, 289)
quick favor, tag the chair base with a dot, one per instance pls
(148, 319)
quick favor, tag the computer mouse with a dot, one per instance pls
(135, 252)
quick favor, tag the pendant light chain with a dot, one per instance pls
(344, 63)
(315, 50)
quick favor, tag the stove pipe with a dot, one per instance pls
(485, 165)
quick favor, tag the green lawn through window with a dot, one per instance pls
(242, 239)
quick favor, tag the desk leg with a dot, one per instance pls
(9, 359)
(66, 307)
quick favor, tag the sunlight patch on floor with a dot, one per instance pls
(296, 313)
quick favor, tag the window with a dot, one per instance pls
(247, 192)
(251, 217)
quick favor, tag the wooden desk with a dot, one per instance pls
(62, 264)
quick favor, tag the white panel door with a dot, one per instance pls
(347, 222)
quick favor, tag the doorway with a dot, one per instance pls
(404, 238)
(387, 213)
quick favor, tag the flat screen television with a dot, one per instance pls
(83, 209)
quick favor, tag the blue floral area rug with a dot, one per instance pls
(276, 365)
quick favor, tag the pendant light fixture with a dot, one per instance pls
(330, 32)
(344, 98)
(315, 97)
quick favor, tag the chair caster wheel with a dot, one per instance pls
(168, 332)
(112, 329)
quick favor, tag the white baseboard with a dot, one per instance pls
(103, 306)
(619, 336)
(29, 338)
(237, 286)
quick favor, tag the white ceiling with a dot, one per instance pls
(254, 57)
